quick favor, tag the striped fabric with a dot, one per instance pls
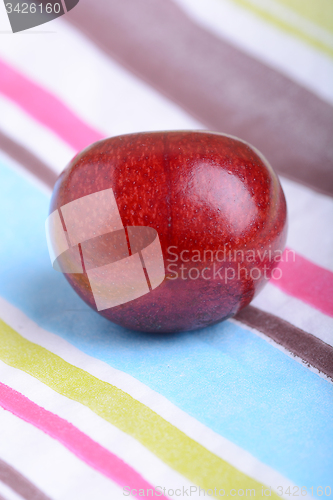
(90, 410)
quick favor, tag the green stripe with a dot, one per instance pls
(288, 27)
(168, 443)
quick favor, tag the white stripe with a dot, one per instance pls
(103, 93)
(8, 493)
(5, 29)
(43, 143)
(49, 465)
(215, 443)
(296, 312)
(310, 217)
(266, 42)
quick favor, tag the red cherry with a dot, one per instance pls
(215, 219)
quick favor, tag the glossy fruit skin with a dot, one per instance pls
(201, 191)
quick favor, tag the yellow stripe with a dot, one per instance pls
(319, 12)
(172, 446)
(286, 26)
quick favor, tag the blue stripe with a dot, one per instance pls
(225, 376)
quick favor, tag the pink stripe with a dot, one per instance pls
(46, 108)
(73, 439)
(306, 281)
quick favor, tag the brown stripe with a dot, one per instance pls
(302, 344)
(221, 86)
(28, 160)
(19, 484)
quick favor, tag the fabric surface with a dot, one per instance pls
(90, 410)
